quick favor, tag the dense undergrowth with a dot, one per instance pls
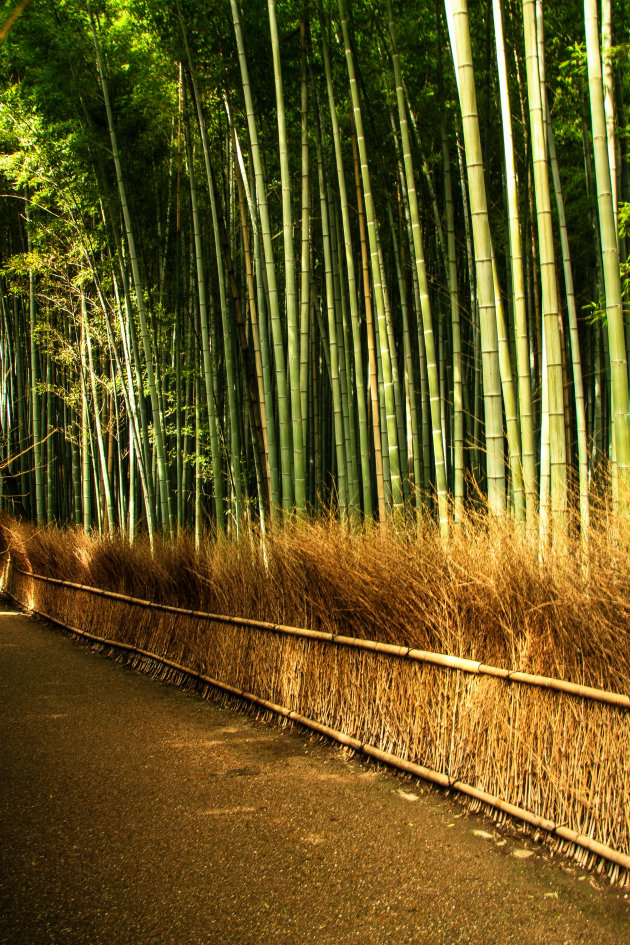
(487, 594)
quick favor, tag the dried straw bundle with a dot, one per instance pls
(485, 595)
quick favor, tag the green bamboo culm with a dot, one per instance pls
(330, 337)
(293, 336)
(284, 409)
(217, 479)
(610, 252)
(528, 452)
(457, 18)
(40, 510)
(550, 303)
(425, 305)
(366, 479)
(394, 484)
(109, 505)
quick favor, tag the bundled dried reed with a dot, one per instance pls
(484, 596)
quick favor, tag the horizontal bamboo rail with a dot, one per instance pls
(619, 700)
(420, 771)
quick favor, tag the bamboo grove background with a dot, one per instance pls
(266, 257)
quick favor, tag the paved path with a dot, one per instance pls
(132, 813)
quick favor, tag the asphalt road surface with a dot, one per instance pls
(134, 814)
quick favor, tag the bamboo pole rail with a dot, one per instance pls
(371, 751)
(475, 667)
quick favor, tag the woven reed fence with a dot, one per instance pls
(551, 753)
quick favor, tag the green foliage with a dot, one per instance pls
(56, 153)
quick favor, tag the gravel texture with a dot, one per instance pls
(134, 813)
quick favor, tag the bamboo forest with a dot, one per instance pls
(264, 259)
(314, 402)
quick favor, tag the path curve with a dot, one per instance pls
(133, 814)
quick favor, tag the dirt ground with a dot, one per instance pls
(134, 813)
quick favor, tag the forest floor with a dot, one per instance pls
(133, 813)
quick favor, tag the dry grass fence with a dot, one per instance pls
(560, 757)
